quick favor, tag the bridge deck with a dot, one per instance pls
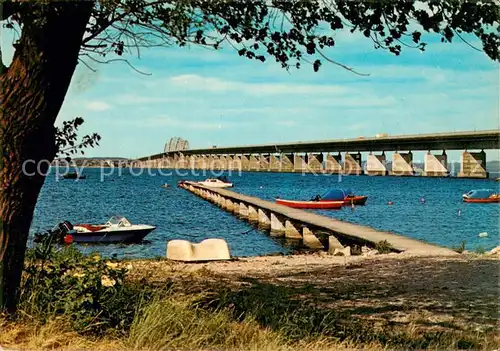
(340, 228)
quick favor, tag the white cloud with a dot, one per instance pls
(196, 82)
(97, 106)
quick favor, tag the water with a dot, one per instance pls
(179, 214)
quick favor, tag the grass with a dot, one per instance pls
(201, 311)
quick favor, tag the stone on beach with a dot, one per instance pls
(206, 250)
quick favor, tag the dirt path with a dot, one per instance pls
(459, 293)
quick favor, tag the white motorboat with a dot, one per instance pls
(216, 183)
(116, 229)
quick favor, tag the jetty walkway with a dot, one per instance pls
(315, 231)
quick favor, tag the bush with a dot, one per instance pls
(86, 290)
(383, 247)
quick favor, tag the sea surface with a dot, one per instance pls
(441, 219)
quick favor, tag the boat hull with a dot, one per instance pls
(483, 201)
(356, 200)
(108, 236)
(319, 205)
(215, 185)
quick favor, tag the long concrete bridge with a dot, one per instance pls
(318, 157)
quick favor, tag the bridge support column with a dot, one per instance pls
(376, 165)
(245, 162)
(286, 162)
(332, 164)
(473, 165)
(253, 216)
(236, 164)
(264, 162)
(277, 227)
(315, 163)
(299, 163)
(217, 162)
(352, 164)
(402, 164)
(243, 210)
(254, 164)
(436, 165)
(274, 163)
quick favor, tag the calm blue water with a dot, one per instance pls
(179, 214)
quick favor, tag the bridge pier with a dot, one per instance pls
(352, 164)
(274, 163)
(315, 163)
(402, 164)
(264, 162)
(254, 163)
(473, 165)
(436, 165)
(245, 162)
(299, 163)
(376, 165)
(286, 162)
(235, 163)
(333, 164)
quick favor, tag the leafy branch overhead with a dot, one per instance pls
(289, 31)
(66, 138)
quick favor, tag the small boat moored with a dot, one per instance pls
(482, 196)
(312, 204)
(347, 196)
(219, 182)
(116, 230)
(73, 175)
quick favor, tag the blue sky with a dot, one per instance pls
(218, 98)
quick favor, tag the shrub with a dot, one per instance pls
(383, 247)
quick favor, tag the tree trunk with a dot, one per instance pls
(32, 91)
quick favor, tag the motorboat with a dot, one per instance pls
(116, 229)
(311, 204)
(220, 182)
(73, 175)
(165, 185)
(482, 196)
(347, 196)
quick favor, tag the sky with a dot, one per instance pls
(219, 98)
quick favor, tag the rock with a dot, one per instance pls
(333, 245)
(346, 251)
(495, 251)
(207, 250)
(370, 253)
(365, 249)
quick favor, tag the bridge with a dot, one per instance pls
(318, 157)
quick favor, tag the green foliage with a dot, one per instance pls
(66, 137)
(86, 290)
(460, 248)
(383, 247)
(480, 250)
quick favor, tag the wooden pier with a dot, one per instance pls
(315, 231)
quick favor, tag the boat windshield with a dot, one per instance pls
(118, 221)
(480, 194)
(337, 194)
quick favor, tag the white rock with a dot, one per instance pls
(495, 251)
(207, 250)
(346, 251)
(365, 249)
(370, 253)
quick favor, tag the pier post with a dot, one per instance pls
(376, 165)
(264, 220)
(402, 164)
(277, 228)
(310, 240)
(436, 165)
(291, 232)
(473, 165)
(352, 164)
(235, 164)
(229, 205)
(253, 216)
(243, 210)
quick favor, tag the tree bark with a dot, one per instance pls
(32, 91)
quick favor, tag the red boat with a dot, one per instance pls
(481, 196)
(346, 196)
(319, 205)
